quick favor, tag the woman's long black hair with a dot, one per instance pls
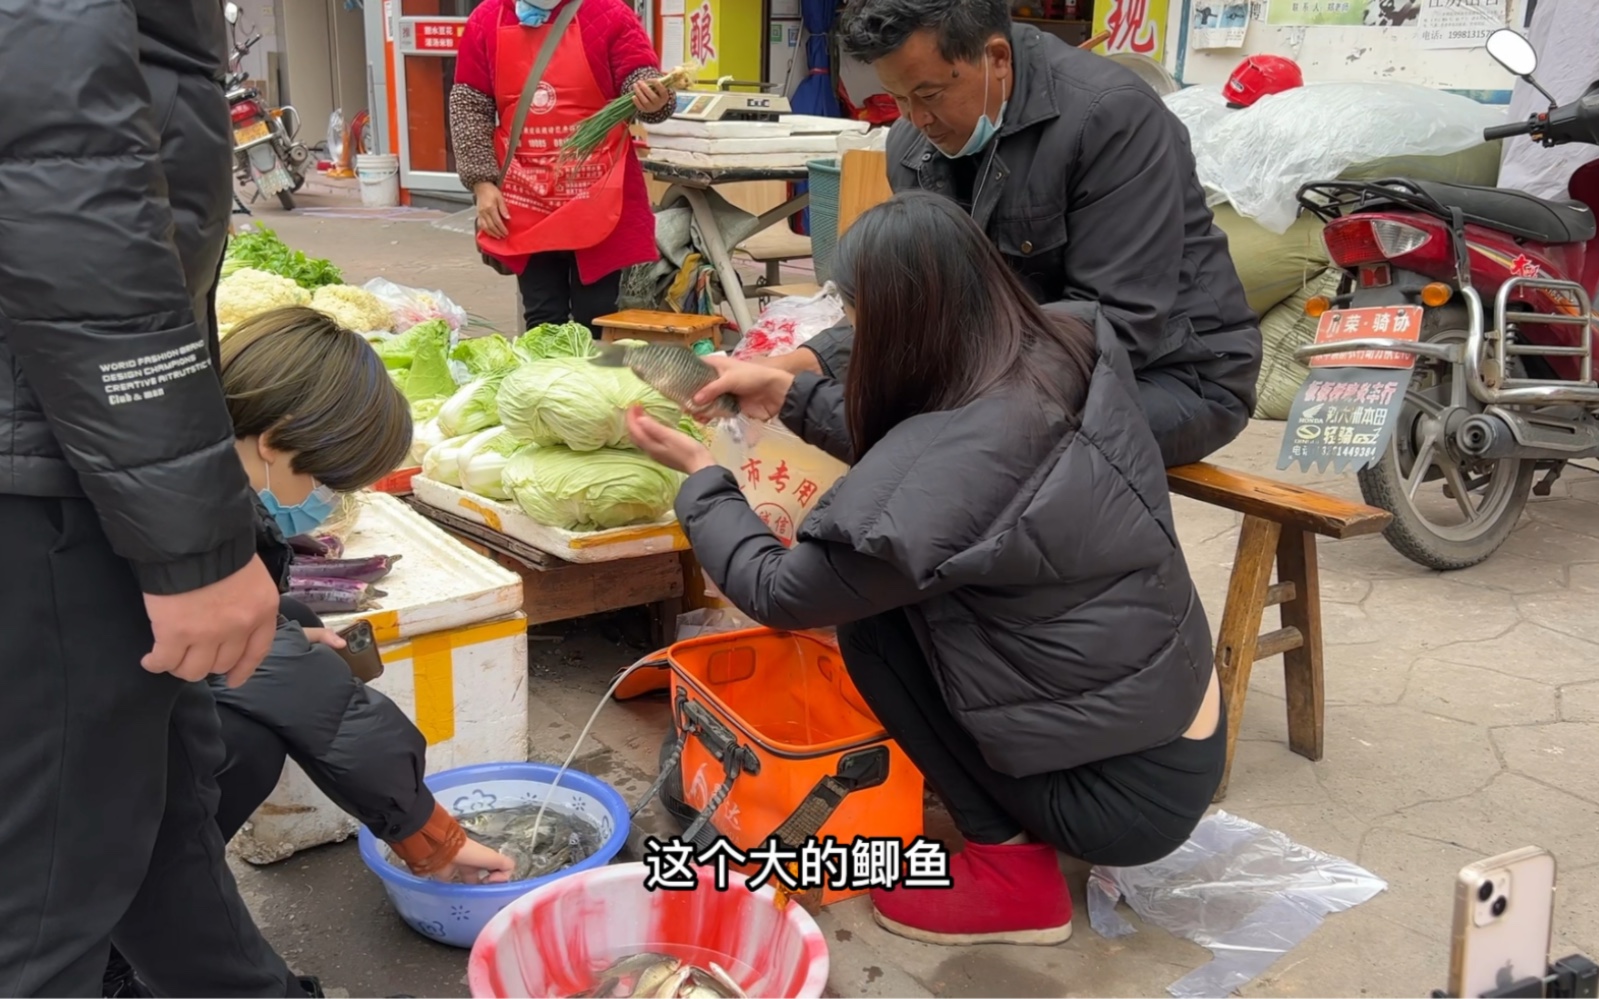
(940, 321)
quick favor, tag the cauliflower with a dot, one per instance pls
(353, 308)
(248, 292)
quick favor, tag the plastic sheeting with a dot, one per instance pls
(1259, 157)
(1247, 893)
(1568, 61)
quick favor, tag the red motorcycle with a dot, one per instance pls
(1493, 398)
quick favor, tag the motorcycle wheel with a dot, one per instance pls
(286, 199)
(1485, 497)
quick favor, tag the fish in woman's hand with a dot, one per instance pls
(659, 976)
(675, 372)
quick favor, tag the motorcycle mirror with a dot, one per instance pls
(1512, 51)
(231, 12)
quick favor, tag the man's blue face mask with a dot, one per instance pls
(984, 131)
(305, 516)
(531, 15)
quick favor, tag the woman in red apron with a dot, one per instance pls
(567, 230)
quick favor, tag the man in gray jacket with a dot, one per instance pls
(125, 514)
(1085, 182)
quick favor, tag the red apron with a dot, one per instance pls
(553, 205)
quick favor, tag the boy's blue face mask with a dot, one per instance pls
(983, 133)
(305, 516)
(531, 15)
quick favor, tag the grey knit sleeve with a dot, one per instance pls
(472, 118)
(646, 73)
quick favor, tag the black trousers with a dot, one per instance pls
(109, 826)
(252, 763)
(1121, 812)
(552, 292)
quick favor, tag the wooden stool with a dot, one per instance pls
(683, 328)
(1280, 527)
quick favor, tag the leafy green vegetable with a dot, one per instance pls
(423, 437)
(569, 401)
(472, 407)
(399, 351)
(430, 376)
(486, 355)
(692, 427)
(555, 340)
(423, 410)
(594, 490)
(483, 459)
(261, 249)
(440, 464)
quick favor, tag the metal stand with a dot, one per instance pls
(1572, 977)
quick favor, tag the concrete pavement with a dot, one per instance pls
(1462, 720)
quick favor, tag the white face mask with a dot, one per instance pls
(983, 132)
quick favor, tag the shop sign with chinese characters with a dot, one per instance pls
(1346, 410)
(1136, 26)
(421, 36)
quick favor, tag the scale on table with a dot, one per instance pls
(722, 104)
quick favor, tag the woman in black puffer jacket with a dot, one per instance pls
(1000, 561)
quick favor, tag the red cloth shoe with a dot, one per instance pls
(997, 894)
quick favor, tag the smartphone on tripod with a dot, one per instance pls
(1504, 914)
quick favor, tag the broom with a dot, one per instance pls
(588, 136)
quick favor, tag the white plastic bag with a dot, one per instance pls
(789, 322)
(413, 305)
(1247, 893)
(1259, 157)
(336, 136)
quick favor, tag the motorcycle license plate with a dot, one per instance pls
(1384, 322)
(251, 133)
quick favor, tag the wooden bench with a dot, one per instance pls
(683, 328)
(1280, 526)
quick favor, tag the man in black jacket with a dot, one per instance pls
(1085, 182)
(124, 511)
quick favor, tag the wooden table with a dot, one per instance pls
(556, 590)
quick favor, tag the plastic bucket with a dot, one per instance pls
(455, 914)
(552, 941)
(380, 179)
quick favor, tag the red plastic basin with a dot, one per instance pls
(553, 940)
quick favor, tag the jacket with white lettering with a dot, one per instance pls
(115, 192)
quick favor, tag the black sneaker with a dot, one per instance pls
(312, 986)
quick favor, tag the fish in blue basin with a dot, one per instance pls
(563, 837)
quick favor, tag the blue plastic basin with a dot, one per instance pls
(455, 914)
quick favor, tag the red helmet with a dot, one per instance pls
(1259, 75)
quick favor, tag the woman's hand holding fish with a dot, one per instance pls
(477, 864)
(760, 389)
(667, 445)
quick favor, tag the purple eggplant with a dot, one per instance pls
(367, 570)
(321, 546)
(334, 596)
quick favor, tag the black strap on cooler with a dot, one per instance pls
(856, 771)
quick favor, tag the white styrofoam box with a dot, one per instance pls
(720, 129)
(571, 546)
(454, 645)
(465, 690)
(437, 584)
(732, 161)
(812, 144)
(810, 124)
